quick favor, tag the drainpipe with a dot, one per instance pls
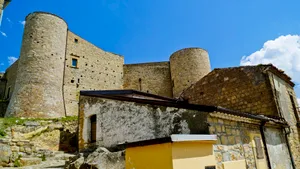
(289, 146)
(261, 128)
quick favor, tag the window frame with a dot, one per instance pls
(76, 63)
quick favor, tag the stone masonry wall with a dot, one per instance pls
(31, 138)
(243, 88)
(122, 121)
(39, 84)
(187, 67)
(152, 78)
(284, 91)
(96, 70)
(10, 77)
(234, 140)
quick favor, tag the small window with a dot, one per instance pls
(76, 40)
(74, 62)
(93, 119)
(8, 93)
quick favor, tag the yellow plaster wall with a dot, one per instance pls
(192, 155)
(240, 164)
(149, 157)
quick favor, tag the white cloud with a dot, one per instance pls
(8, 20)
(12, 59)
(22, 22)
(283, 52)
(3, 34)
(298, 101)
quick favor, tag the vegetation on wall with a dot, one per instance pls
(6, 123)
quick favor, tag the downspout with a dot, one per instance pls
(261, 128)
(289, 146)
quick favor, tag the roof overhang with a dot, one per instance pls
(172, 139)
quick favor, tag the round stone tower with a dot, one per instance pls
(38, 90)
(187, 67)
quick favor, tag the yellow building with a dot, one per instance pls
(175, 152)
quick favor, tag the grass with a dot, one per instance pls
(12, 121)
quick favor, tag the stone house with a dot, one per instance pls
(262, 90)
(112, 118)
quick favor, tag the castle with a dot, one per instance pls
(55, 64)
(60, 74)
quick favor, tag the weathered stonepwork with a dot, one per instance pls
(31, 139)
(39, 82)
(122, 116)
(152, 78)
(261, 89)
(119, 122)
(187, 67)
(55, 64)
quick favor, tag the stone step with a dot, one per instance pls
(62, 157)
(29, 161)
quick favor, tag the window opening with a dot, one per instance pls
(74, 62)
(93, 119)
(76, 40)
(8, 92)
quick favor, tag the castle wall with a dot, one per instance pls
(96, 70)
(39, 82)
(187, 67)
(152, 78)
(10, 76)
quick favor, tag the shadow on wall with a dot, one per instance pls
(3, 106)
(68, 141)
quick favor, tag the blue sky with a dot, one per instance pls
(151, 30)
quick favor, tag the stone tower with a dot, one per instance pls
(3, 4)
(187, 67)
(39, 85)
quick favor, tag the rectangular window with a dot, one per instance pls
(74, 62)
(93, 119)
(8, 93)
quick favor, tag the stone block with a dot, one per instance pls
(28, 150)
(15, 148)
(30, 161)
(219, 156)
(231, 140)
(212, 130)
(219, 129)
(5, 153)
(22, 149)
(223, 129)
(224, 140)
